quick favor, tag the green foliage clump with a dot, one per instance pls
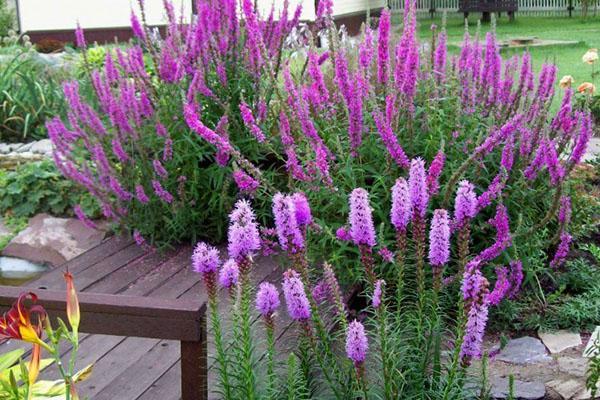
(30, 94)
(40, 188)
(7, 18)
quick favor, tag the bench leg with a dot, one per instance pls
(194, 368)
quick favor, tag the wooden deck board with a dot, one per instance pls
(137, 368)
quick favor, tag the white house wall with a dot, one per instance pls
(348, 7)
(52, 15)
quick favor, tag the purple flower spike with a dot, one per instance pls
(243, 236)
(383, 46)
(80, 37)
(465, 205)
(435, 170)
(401, 205)
(343, 234)
(417, 184)
(295, 298)
(357, 344)
(439, 238)
(303, 213)
(515, 277)
(136, 27)
(562, 251)
(267, 299)
(229, 274)
(362, 230)
(245, 182)
(288, 231)
(205, 259)
(377, 293)
(501, 288)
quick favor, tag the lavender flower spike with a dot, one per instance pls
(361, 219)
(357, 344)
(267, 299)
(229, 274)
(378, 293)
(205, 259)
(243, 236)
(288, 232)
(295, 298)
(439, 239)
(417, 184)
(302, 208)
(401, 205)
(465, 204)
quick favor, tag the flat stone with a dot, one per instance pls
(4, 148)
(522, 390)
(567, 388)
(43, 146)
(592, 350)
(593, 150)
(24, 147)
(524, 350)
(53, 240)
(573, 366)
(560, 340)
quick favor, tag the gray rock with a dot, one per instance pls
(573, 366)
(43, 146)
(525, 350)
(593, 150)
(522, 390)
(567, 388)
(4, 148)
(560, 340)
(24, 147)
(593, 346)
(53, 240)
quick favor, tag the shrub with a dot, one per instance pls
(29, 95)
(256, 117)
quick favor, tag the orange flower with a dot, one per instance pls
(17, 324)
(587, 88)
(34, 364)
(73, 313)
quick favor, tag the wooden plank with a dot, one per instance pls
(122, 315)
(167, 387)
(134, 381)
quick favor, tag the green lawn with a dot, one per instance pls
(567, 58)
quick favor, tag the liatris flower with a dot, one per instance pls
(136, 27)
(288, 231)
(83, 218)
(293, 291)
(439, 238)
(508, 154)
(439, 63)
(503, 236)
(117, 189)
(378, 293)
(493, 191)
(161, 192)
(229, 274)
(515, 277)
(555, 170)
(250, 123)
(383, 47)
(401, 212)
(562, 250)
(361, 219)
(118, 150)
(243, 236)
(205, 259)
(138, 238)
(302, 208)
(583, 139)
(267, 299)
(475, 294)
(321, 291)
(435, 170)
(389, 139)
(417, 184)
(465, 204)
(501, 288)
(244, 181)
(365, 52)
(342, 233)
(159, 169)
(386, 254)
(357, 344)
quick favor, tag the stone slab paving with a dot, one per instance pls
(51, 240)
(593, 150)
(523, 390)
(560, 340)
(524, 350)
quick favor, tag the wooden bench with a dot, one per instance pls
(136, 306)
(486, 7)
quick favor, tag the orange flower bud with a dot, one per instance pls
(34, 364)
(73, 313)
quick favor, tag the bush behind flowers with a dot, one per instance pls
(229, 111)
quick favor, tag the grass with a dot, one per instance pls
(566, 57)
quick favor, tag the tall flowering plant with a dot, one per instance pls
(388, 348)
(218, 107)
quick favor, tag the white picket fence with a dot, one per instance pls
(527, 7)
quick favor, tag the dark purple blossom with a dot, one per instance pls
(267, 299)
(357, 344)
(439, 238)
(362, 229)
(297, 303)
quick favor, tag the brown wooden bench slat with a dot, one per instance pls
(166, 387)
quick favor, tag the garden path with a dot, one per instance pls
(138, 368)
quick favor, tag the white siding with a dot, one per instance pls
(308, 8)
(49, 15)
(346, 7)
